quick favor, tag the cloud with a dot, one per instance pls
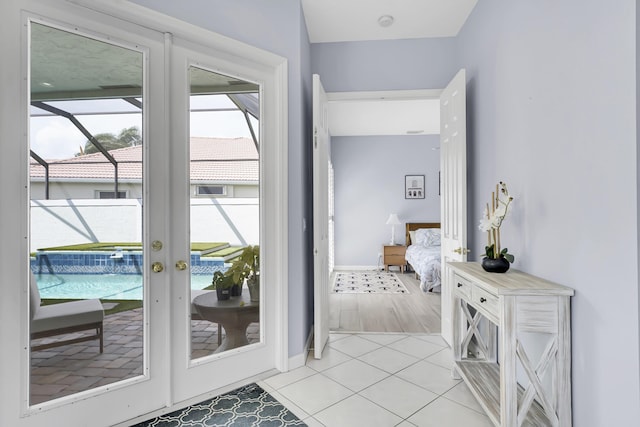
(55, 138)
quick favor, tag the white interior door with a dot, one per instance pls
(453, 164)
(320, 216)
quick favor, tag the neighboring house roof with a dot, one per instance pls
(212, 160)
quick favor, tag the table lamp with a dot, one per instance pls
(393, 221)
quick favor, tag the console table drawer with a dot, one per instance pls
(463, 287)
(486, 302)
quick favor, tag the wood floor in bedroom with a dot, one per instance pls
(416, 312)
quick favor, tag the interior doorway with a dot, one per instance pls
(395, 123)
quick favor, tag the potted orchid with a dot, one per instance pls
(497, 259)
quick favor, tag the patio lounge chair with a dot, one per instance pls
(64, 318)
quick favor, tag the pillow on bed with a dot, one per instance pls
(412, 237)
(428, 237)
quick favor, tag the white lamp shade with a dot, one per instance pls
(393, 220)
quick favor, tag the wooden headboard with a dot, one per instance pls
(411, 226)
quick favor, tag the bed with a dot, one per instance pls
(423, 253)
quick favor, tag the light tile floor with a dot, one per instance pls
(378, 380)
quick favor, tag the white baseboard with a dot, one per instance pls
(297, 361)
(356, 268)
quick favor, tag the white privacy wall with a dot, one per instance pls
(69, 222)
(369, 185)
(552, 111)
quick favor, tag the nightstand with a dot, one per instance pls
(394, 255)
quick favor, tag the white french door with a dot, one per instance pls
(202, 78)
(56, 57)
(168, 373)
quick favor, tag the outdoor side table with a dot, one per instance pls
(231, 314)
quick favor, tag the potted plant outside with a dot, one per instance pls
(222, 285)
(247, 268)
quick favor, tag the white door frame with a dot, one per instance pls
(382, 95)
(14, 226)
(391, 95)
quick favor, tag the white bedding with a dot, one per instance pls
(425, 261)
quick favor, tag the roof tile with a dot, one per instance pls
(212, 160)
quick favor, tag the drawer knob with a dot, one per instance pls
(459, 284)
(483, 299)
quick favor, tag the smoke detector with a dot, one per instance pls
(385, 21)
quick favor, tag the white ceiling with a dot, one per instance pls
(357, 20)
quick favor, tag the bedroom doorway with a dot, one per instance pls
(364, 118)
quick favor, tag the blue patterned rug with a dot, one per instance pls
(247, 406)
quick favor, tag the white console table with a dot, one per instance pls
(514, 303)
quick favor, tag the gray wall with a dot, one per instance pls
(276, 26)
(384, 65)
(552, 112)
(369, 176)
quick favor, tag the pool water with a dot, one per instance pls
(103, 286)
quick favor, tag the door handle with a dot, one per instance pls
(157, 267)
(181, 265)
(462, 251)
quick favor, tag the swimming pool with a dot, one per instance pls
(103, 286)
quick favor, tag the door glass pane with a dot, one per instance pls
(224, 212)
(86, 178)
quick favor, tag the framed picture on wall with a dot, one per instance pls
(414, 187)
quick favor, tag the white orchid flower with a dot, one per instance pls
(492, 221)
(485, 224)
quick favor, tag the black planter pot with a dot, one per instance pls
(236, 290)
(495, 265)
(223, 293)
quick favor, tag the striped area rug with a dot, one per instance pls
(368, 283)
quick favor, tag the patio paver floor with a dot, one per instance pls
(64, 370)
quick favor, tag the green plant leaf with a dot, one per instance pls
(489, 251)
(509, 258)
